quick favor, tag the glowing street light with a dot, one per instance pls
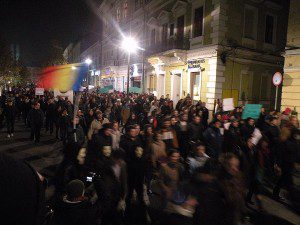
(88, 61)
(130, 45)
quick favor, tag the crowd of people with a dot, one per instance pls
(119, 149)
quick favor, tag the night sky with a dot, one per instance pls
(33, 24)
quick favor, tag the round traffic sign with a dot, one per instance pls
(277, 79)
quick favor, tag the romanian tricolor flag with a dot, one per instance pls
(64, 77)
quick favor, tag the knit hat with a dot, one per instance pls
(287, 111)
(75, 189)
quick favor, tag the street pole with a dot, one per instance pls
(128, 69)
(87, 78)
(276, 98)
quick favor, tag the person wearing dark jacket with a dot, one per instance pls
(109, 188)
(272, 133)
(10, 116)
(74, 208)
(64, 122)
(286, 156)
(195, 130)
(132, 120)
(204, 115)
(136, 173)
(210, 196)
(50, 115)
(213, 139)
(165, 109)
(26, 106)
(129, 142)
(248, 129)
(232, 137)
(99, 141)
(182, 133)
(36, 119)
(58, 112)
(89, 117)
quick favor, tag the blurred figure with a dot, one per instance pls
(22, 193)
(36, 120)
(75, 208)
(10, 117)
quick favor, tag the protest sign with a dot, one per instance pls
(228, 104)
(251, 110)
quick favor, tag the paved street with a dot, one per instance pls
(46, 156)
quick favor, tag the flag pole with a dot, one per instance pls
(76, 108)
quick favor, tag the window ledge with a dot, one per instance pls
(195, 42)
(249, 42)
(270, 47)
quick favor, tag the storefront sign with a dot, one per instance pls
(196, 63)
(251, 110)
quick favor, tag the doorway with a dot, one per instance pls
(176, 88)
(160, 85)
(195, 85)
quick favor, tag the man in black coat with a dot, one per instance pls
(36, 120)
(214, 139)
(232, 137)
(100, 140)
(129, 142)
(204, 115)
(10, 116)
(50, 115)
(195, 130)
(272, 132)
(248, 129)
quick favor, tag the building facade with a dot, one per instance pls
(291, 77)
(208, 49)
(94, 53)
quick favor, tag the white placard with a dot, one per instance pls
(39, 91)
(68, 94)
(256, 136)
(228, 104)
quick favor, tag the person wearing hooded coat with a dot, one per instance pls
(110, 189)
(136, 174)
(99, 140)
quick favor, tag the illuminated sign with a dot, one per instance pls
(195, 63)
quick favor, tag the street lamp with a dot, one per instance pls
(88, 61)
(130, 45)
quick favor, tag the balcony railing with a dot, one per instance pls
(169, 44)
